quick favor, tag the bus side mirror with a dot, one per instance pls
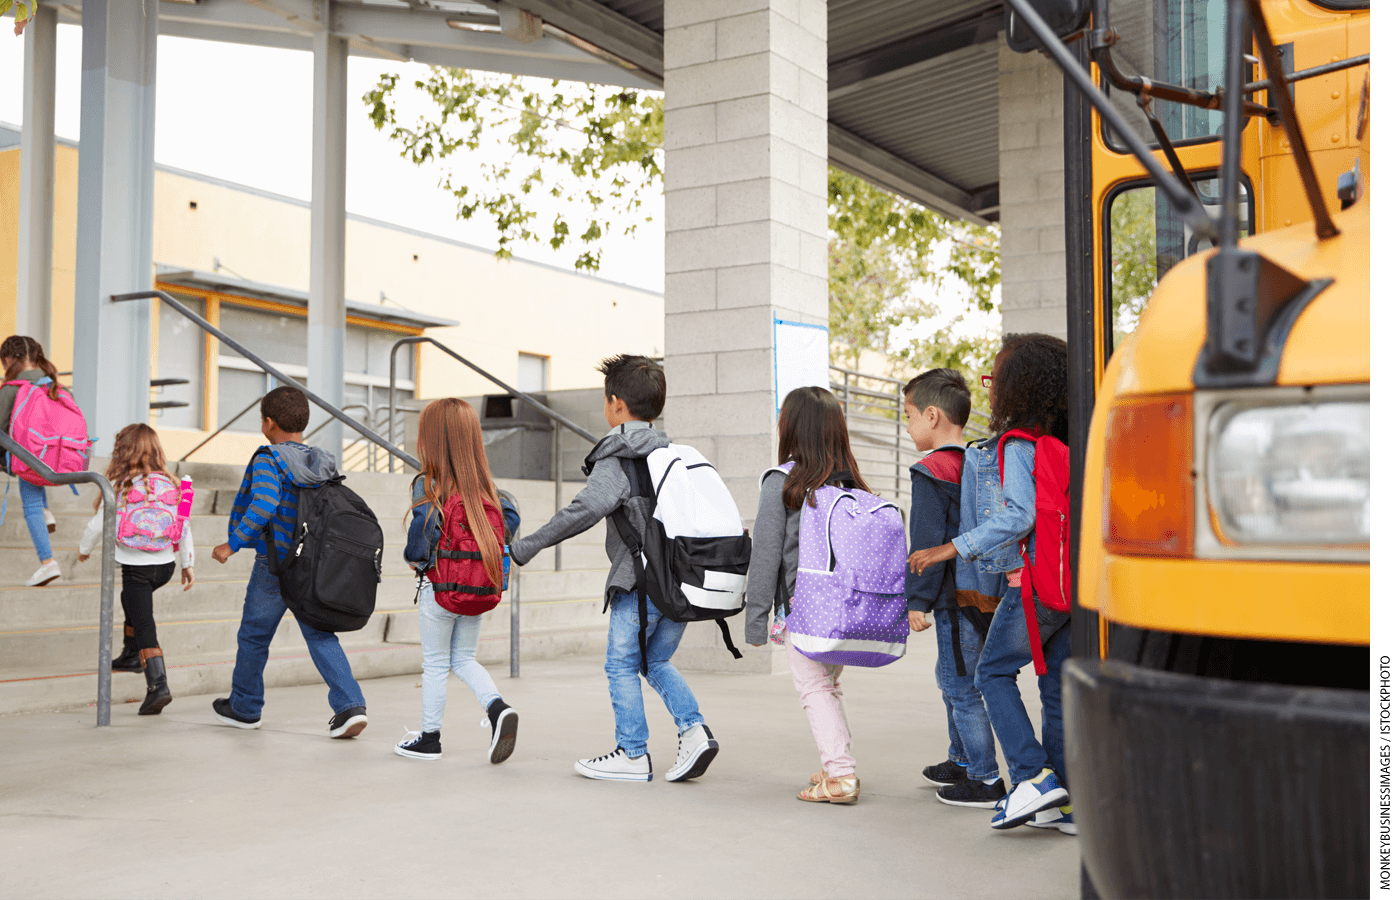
(1064, 17)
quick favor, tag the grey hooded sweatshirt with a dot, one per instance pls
(607, 490)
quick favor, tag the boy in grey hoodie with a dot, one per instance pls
(267, 502)
(634, 391)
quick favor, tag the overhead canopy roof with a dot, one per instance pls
(912, 83)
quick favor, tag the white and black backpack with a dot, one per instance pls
(693, 560)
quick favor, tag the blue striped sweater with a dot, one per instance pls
(268, 494)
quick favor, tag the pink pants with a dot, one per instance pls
(819, 688)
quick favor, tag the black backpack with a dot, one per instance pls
(330, 574)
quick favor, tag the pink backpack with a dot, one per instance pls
(153, 514)
(53, 430)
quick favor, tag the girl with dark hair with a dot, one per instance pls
(1028, 391)
(23, 360)
(812, 436)
(455, 494)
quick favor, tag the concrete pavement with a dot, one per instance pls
(178, 806)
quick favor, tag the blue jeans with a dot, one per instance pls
(262, 613)
(970, 741)
(1006, 652)
(449, 645)
(624, 664)
(36, 500)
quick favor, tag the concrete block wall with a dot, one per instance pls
(1031, 144)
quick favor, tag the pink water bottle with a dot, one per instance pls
(182, 512)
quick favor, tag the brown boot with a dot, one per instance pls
(130, 660)
(157, 691)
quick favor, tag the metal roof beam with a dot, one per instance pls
(847, 75)
(881, 167)
(595, 23)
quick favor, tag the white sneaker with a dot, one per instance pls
(615, 766)
(49, 522)
(1057, 817)
(697, 748)
(46, 573)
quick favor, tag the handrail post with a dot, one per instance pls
(109, 563)
(515, 623)
(558, 461)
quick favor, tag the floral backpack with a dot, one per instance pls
(154, 513)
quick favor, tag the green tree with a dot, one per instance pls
(599, 150)
(1133, 256)
(24, 11)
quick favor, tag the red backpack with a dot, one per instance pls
(459, 579)
(1049, 576)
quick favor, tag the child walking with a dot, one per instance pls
(1029, 391)
(634, 393)
(455, 504)
(812, 436)
(23, 360)
(137, 472)
(937, 404)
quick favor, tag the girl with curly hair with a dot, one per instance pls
(1029, 390)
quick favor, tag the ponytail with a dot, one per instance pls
(19, 349)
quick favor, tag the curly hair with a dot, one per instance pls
(1032, 385)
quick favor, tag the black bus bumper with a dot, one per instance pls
(1186, 786)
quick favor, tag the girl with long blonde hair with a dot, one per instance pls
(139, 476)
(456, 544)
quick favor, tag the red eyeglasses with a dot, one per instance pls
(986, 381)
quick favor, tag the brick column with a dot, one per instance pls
(1031, 144)
(745, 233)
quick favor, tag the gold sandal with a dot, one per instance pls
(845, 789)
(819, 777)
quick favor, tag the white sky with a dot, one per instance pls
(243, 114)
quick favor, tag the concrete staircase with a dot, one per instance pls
(49, 635)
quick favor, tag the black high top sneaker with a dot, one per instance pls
(420, 745)
(503, 722)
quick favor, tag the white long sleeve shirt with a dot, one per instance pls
(92, 536)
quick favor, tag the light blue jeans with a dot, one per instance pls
(969, 728)
(36, 500)
(449, 645)
(624, 665)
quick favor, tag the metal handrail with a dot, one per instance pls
(220, 430)
(267, 367)
(424, 339)
(109, 562)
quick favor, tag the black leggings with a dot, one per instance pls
(139, 583)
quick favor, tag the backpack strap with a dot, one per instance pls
(1027, 587)
(633, 542)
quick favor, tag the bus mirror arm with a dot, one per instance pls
(1183, 201)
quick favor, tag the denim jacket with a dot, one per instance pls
(425, 530)
(993, 519)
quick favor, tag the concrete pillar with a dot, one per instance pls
(325, 333)
(116, 177)
(746, 235)
(1031, 144)
(36, 164)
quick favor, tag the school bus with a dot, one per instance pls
(1217, 232)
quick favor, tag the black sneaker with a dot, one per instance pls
(945, 773)
(503, 723)
(349, 723)
(223, 711)
(973, 793)
(420, 745)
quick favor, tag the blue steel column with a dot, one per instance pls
(325, 334)
(116, 177)
(33, 315)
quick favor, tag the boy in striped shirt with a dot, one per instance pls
(267, 503)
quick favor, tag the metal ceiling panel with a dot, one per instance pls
(941, 116)
(858, 26)
(648, 13)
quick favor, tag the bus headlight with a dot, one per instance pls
(1291, 473)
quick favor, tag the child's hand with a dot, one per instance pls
(83, 557)
(922, 559)
(187, 578)
(918, 621)
(222, 553)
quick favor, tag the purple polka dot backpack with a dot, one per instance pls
(848, 607)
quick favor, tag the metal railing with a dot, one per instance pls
(267, 367)
(558, 421)
(220, 430)
(874, 409)
(109, 563)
